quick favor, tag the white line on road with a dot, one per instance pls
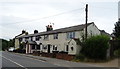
(14, 62)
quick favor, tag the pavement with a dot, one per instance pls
(65, 63)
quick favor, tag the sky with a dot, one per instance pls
(119, 9)
(30, 15)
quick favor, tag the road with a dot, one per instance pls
(16, 61)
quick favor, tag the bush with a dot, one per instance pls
(80, 57)
(117, 53)
(96, 47)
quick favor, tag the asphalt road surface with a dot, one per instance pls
(16, 61)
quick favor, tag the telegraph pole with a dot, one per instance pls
(86, 10)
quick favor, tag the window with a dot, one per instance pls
(31, 38)
(46, 37)
(38, 46)
(54, 47)
(37, 38)
(26, 38)
(44, 47)
(20, 39)
(70, 35)
(55, 36)
(33, 46)
(72, 48)
(91, 33)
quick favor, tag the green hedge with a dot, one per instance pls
(96, 47)
(79, 57)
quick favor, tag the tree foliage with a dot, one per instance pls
(11, 43)
(4, 44)
(116, 31)
(96, 47)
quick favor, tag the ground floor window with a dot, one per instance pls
(54, 47)
(44, 46)
(33, 46)
(38, 47)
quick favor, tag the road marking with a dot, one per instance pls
(14, 62)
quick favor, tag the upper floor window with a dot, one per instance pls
(70, 35)
(31, 38)
(55, 36)
(20, 39)
(26, 38)
(46, 37)
(37, 38)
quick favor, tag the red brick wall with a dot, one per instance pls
(64, 56)
(58, 56)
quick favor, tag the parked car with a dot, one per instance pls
(11, 49)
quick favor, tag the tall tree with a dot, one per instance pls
(11, 43)
(116, 30)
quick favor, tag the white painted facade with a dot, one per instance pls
(62, 42)
(17, 41)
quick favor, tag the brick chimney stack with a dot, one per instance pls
(49, 28)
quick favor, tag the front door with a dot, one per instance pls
(49, 48)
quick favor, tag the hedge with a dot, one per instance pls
(96, 47)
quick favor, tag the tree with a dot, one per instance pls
(11, 43)
(116, 30)
(4, 44)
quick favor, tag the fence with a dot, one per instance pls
(114, 45)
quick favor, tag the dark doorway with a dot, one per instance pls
(67, 48)
(49, 48)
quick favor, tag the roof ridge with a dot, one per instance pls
(61, 30)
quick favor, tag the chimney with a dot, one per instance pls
(35, 31)
(23, 31)
(49, 28)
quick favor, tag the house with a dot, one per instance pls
(17, 39)
(59, 40)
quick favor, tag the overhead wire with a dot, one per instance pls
(44, 17)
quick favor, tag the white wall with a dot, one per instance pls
(92, 30)
(61, 42)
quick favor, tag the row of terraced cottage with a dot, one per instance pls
(59, 40)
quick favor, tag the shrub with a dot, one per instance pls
(80, 57)
(96, 47)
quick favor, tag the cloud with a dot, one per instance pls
(119, 9)
(29, 15)
(69, 1)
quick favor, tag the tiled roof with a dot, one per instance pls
(61, 30)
